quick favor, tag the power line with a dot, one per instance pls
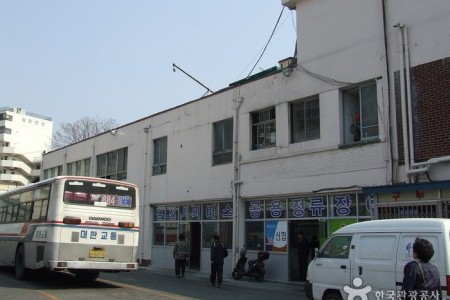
(267, 44)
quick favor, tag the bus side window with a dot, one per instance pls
(36, 210)
(15, 213)
(28, 211)
(2, 214)
(22, 217)
(44, 210)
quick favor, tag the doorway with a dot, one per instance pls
(195, 245)
(310, 228)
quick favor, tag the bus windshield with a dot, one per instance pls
(99, 194)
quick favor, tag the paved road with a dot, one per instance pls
(145, 283)
(196, 285)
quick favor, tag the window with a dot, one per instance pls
(226, 233)
(171, 233)
(79, 168)
(41, 196)
(223, 142)
(360, 114)
(305, 118)
(160, 156)
(5, 116)
(53, 172)
(159, 234)
(337, 247)
(263, 129)
(112, 165)
(209, 230)
(254, 235)
(99, 195)
(3, 129)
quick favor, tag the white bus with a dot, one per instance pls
(80, 224)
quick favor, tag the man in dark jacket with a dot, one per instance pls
(218, 253)
(303, 254)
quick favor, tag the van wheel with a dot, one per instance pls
(21, 272)
(332, 296)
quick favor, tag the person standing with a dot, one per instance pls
(180, 254)
(218, 253)
(314, 245)
(419, 275)
(303, 255)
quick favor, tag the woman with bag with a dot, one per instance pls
(420, 277)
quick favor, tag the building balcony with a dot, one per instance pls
(16, 165)
(6, 150)
(14, 178)
(6, 137)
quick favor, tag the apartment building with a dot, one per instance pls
(338, 134)
(24, 137)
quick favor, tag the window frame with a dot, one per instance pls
(113, 164)
(263, 129)
(310, 131)
(355, 115)
(222, 154)
(159, 161)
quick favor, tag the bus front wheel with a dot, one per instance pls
(21, 271)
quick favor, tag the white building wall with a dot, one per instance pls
(30, 136)
(342, 40)
(340, 44)
(428, 29)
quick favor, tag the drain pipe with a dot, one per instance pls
(403, 98)
(423, 167)
(408, 94)
(236, 180)
(411, 167)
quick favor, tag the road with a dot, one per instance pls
(145, 283)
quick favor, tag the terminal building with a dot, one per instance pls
(353, 127)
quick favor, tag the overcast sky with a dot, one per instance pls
(67, 59)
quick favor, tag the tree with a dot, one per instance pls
(82, 129)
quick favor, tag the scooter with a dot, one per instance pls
(256, 268)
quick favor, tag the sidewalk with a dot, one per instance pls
(227, 279)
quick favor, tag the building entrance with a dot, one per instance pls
(195, 245)
(312, 229)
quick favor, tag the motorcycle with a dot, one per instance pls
(256, 268)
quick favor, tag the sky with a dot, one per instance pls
(67, 59)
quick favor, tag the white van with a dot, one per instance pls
(370, 257)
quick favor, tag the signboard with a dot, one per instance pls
(276, 236)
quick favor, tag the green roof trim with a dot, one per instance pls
(256, 76)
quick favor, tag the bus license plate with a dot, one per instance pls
(97, 253)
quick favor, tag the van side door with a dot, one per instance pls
(374, 263)
(331, 267)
